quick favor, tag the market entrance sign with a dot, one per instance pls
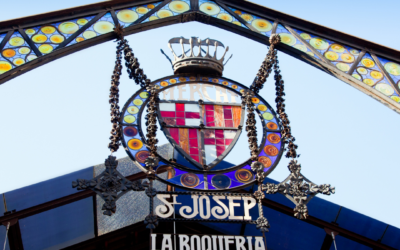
(206, 242)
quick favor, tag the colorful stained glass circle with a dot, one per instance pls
(133, 110)
(141, 156)
(225, 83)
(39, 38)
(221, 181)
(337, 48)
(164, 13)
(192, 78)
(369, 82)
(18, 61)
(182, 79)
(262, 107)
(5, 66)
(135, 144)
(354, 52)
(265, 161)
(89, 34)
(385, 89)
(392, 68)
(152, 18)
(127, 16)
(225, 17)
(179, 6)
(376, 74)
(137, 102)
(210, 8)
(103, 27)
(262, 25)
(268, 116)
(31, 57)
(319, 43)
(130, 131)
(48, 29)
(368, 63)
(248, 18)
(46, 48)
(144, 95)
(244, 175)
(347, 58)
(357, 76)
(30, 31)
(362, 71)
(271, 150)
(82, 21)
(164, 84)
(16, 41)
(273, 138)
(287, 39)
(68, 28)
(305, 36)
(129, 119)
(79, 39)
(272, 125)
(255, 100)
(343, 67)
(57, 39)
(142, 10)
(24, 50)
(332, 56)
(395, 98)
(8, 53)
(173, 81)
(190, 180)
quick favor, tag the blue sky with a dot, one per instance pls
(55, 119)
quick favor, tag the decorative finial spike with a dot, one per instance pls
(183, 49)
(215, 52)
(208, 48)
(223, 56)
(199, 42)
(191, 47)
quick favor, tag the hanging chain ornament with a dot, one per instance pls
(299, 189)
(110, 185)
(256, 166)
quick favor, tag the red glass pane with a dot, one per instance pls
(180, 114)
(220, 142)
(192, 133)
(210, 113)
(227, 107)
(180, 107)
(195, 157)
(227, 114)
(175, 134)
(228, 123)
(209, 141)
(220, 150)
(180, 121)
(209, 107)
(194, 151)
(167, 113)
(209, 119)
(193, 115)
(211, 124)
(228, 141)
(194, 143)
(219, 133)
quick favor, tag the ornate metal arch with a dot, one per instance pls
(372, 68)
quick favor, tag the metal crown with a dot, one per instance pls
(201, 64)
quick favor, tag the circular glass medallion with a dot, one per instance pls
(141, 156)
(221, 181)
(190, 180)
(130, 131)
(244, 175)
(210, 8)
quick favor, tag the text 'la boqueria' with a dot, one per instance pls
(202, 207)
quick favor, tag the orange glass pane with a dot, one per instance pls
(237, 113)
(219, 116)
(184, 139)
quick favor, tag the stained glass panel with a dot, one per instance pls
(393, 69)
(129, 15)
(48, 37)
(222, 116)
(263, 26)
(213, 9)
(15, 53)
(290, 40)
(369, 73)
(102, 26)
(174, 8)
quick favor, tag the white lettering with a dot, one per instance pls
(228, 240)
(161, 210)
(169, 91)
(249, 243)
(201, 208)
(259, 245)
(195, 88)
(240, 240)
(249, 203)
(181, 90)
(166, 242)
(221, 243)
(217, 211)
(233, 95)
(204, 90)
(184, 242)
(232, 206)
(188, 209)
(192, 245)
(153, 241)
(203, 243)
(221, 92)
(214, 239)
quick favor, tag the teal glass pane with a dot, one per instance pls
(264, 26)
(213, 9)
(102, 26)
(129, 15)
(369, 73)
(47, 37)
(290, 40)
(60, 227)
(393, 69)
(174, 8)
(15, 53)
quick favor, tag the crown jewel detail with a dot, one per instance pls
(201, 62)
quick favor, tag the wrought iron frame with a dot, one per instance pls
(194, 14)
(198, 171)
